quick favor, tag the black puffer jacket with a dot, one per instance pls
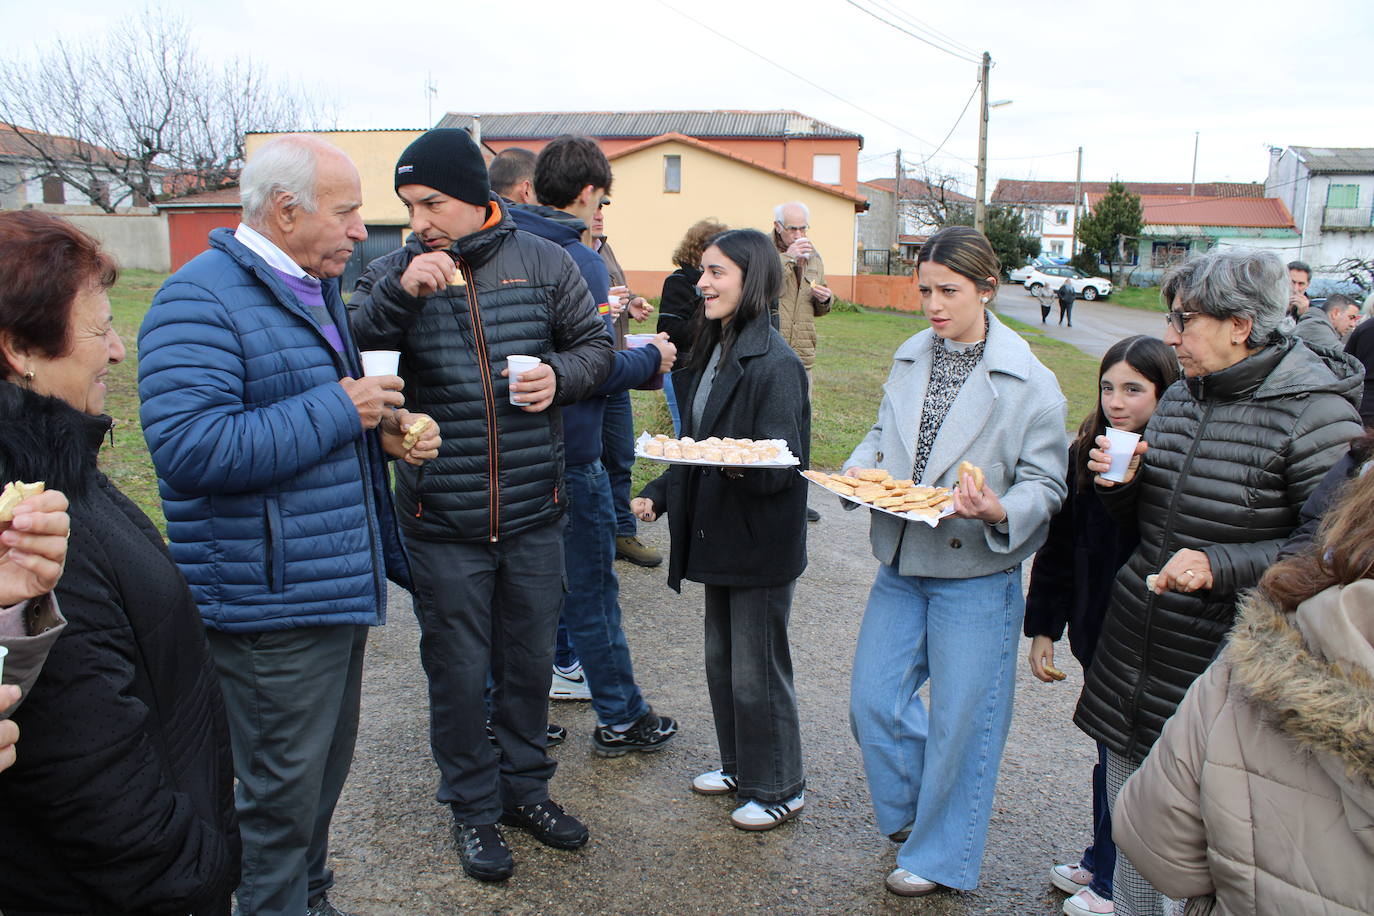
(1233, 455)
(750, 531)
(500, 469)
(122, 797)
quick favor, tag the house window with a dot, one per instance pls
(53, 190)
(1057, 249)
(672, 174)
(1167, 254)
(1061, 216)
(825, 168)
(1345, 196)
(1035, 222)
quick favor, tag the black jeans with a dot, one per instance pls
(489, 607)
(749, 676)
(292, 697)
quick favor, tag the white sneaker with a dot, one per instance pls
(905, 884)
(1087, 903)
(569, 686)
(1070, 878)
(716, 782)
(753, 816)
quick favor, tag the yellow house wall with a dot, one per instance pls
(374, 152)
(645, 224)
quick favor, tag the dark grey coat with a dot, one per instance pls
(1232, 457)
(750, 531)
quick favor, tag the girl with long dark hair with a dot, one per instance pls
(742, 532)
(1071, 579)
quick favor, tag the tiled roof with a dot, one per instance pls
(224, 197)
(915, 189)
(1012, 191)
(50, 144)
(541, 125)
(1234, 212)
(1350, 160)
(721, 151)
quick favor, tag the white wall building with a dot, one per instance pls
(1330, 193)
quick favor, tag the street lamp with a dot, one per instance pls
(980, 207)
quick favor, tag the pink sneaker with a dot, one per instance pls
(1070, 878)
(1086, 903)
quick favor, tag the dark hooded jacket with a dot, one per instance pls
(1232, 457)
(500, 468)
(121, 800)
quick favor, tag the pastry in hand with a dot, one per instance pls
(967, 467)
(16, 491)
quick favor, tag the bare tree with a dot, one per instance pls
(932, 200)
(140, 115)
(1356, 270)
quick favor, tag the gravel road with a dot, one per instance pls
(657, 848)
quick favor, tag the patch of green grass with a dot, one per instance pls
(1145, 298)
(127, 462)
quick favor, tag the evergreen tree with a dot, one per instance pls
(1114, 223)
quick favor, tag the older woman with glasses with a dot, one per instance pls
(1230, 455)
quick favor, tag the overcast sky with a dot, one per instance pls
(1129, 82)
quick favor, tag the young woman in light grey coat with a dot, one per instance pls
(947, 603)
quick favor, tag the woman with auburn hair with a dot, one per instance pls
(946, 605)
(742, 532)
(121, 800)
(680, 305)
(1258, 797)
(1071, 579)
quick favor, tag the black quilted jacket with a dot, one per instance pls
(1233, 455)
(500, 469)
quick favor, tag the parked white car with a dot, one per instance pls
(1051, 278)
(1020, 274)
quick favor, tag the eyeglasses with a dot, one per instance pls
(795, 228)
(1178, 319)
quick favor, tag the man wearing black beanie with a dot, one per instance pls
(483, 525)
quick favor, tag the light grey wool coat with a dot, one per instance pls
(1008, 419)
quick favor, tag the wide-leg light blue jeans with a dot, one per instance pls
(935, 771)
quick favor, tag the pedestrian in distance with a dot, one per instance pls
(1211, 506)
(741, 532)
(122, 797)
(947, 604)
(1066, 296)
(1258, 797)
(1071, 579)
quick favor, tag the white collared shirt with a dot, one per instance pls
(264, 248)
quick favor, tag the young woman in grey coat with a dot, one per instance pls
(946, 605)
(742, 533)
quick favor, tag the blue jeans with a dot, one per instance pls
(618, 457)
(591, 607)
(670, 396)
(935, 772)
(1100, 857)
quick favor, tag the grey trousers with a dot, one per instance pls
(749, 677)
(292, 697)
(1132, 895)
(489, 607)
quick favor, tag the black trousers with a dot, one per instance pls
(489, 607)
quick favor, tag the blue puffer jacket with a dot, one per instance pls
(277, 507)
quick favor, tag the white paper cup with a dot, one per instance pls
(515, 366)
(635, 341)
(1121, 449)
(3, 653)
(381, 362)
(613, 301)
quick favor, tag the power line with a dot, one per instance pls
(793, 73)
(915, 23)
(954, 127)
(920, 38)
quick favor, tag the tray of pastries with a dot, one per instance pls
(716, 451)
(878, 490)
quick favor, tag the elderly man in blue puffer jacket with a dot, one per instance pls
(275, 488)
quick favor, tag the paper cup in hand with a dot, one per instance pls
(634, 342)
(515, 366)
(1121, 449)
(3, 653)
(381, 362)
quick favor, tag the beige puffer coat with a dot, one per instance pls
(798, 308)
(1261, 788)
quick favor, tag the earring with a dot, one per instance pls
(984, 300)
(28, 378)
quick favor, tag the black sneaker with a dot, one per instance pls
(549, 824)
(483, 851)
(321, 906)
(649, 733)
(553, 734)
(812, 515)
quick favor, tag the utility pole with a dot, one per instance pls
(897, 203)
(980, 206)
(1192, 185)
(1077, 197)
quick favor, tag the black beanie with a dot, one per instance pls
(446, 159)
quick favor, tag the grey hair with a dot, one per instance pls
(284, 165)
(777, 211)
(1240, 282)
